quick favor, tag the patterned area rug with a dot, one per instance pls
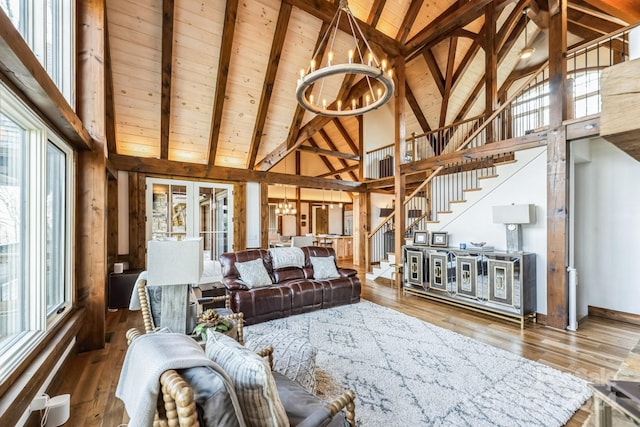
(408, 372)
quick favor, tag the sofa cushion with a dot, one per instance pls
(287, 274)
(286, 257)
(252, 379)
(253, 273)
(324, 268)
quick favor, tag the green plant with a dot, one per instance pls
(210, 319)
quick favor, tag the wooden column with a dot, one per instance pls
(491, 66)
(264, 210)
(239, 216)
(557, 173)
(112, 223)
(362, 231)
(137, 228)
(91, 230)
(398, 153)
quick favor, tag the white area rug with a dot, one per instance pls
(407, 372)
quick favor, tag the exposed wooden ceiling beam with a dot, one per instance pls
(375, 12)
(325, 11)
(345, 135)
(269, 79)
(417, 111)
(510, 24)
(339, 171)
(443, 24)
(511, 40)
(470, 100)
(463, 66)
(110, 113)
(514, 76)
(434, 69)
(22, 69)
(340, 154)
(626, 11)
(221, 80)
(166, 61)
(451, 59)
(591, 22)
(408, 21)
(162, 167)
(294, 129)
(314, 125)
(324, 159)
(332, 146)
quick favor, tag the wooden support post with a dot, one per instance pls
(491, 67)
(361, 230)
(240, 216)
(91, 268)
(264, 211)
(557, 174)
(398, 152)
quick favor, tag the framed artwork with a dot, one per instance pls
(420, 238)
(440, 239)
(303, 216)
(303, 223)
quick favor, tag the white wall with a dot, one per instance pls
(527, 186)
(335, 219)
(607, 210)
(378, 127)
(253, 221)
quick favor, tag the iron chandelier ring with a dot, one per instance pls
(366, 70)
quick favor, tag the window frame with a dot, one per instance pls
(33, 252)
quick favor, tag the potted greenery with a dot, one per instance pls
(210, 319)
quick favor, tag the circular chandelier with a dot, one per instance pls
(375, 72)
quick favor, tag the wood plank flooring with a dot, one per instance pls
(594, 352)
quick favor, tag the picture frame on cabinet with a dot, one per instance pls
(439, 239)
(420, 238)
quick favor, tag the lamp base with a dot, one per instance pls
(514, 237)
(175, 305)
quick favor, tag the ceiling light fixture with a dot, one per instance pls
(379, 79)
(286, 207)
(527, 51)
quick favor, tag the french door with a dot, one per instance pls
(178, 209)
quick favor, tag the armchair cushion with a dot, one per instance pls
(211, 397)
(324, 268)
(252, 379)
(253, 273)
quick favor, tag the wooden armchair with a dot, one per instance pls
(178, 406)
(147, 314)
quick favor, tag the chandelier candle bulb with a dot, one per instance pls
(313, 65)
(350, 56)
(330, 59)
(379, 93)
(370, 59)
(353, 104)
(311, 99)
(384, 65)
(339, 105)
(301, 73)
(367, 99)
(324, 104)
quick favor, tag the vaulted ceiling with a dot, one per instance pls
(213, 82)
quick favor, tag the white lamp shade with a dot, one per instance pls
(171, 262)
(514, 214)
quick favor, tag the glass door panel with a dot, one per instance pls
(169, 211)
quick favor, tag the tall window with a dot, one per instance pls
(47, 27)
(36, 181)
(530, 110)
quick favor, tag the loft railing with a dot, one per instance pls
(585, 64)
(379, 162)
(433, 143)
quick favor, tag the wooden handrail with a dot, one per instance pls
(600, 39)
(382, 224)
(431, 132)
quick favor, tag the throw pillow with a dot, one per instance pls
(324, 267)
(293, 356)
(252, 380)
(253, 273)
(286, 257)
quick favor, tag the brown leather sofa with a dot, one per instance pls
(294, 290)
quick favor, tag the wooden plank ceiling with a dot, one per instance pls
(213, 82)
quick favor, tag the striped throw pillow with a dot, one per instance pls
(252, 381)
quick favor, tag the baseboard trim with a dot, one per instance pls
(614, 315)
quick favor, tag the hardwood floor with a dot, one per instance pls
(594, 352)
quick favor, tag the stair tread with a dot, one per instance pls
(433, 222)
(472, 189)
(488, 176)
(505, 162)
(444, 212)
(457, 201)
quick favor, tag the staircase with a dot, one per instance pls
(387, 269)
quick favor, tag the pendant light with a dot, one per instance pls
(527, 51)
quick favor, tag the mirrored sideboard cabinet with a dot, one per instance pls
(501, 284)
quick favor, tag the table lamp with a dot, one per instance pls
(513, 216)
(174, 265)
